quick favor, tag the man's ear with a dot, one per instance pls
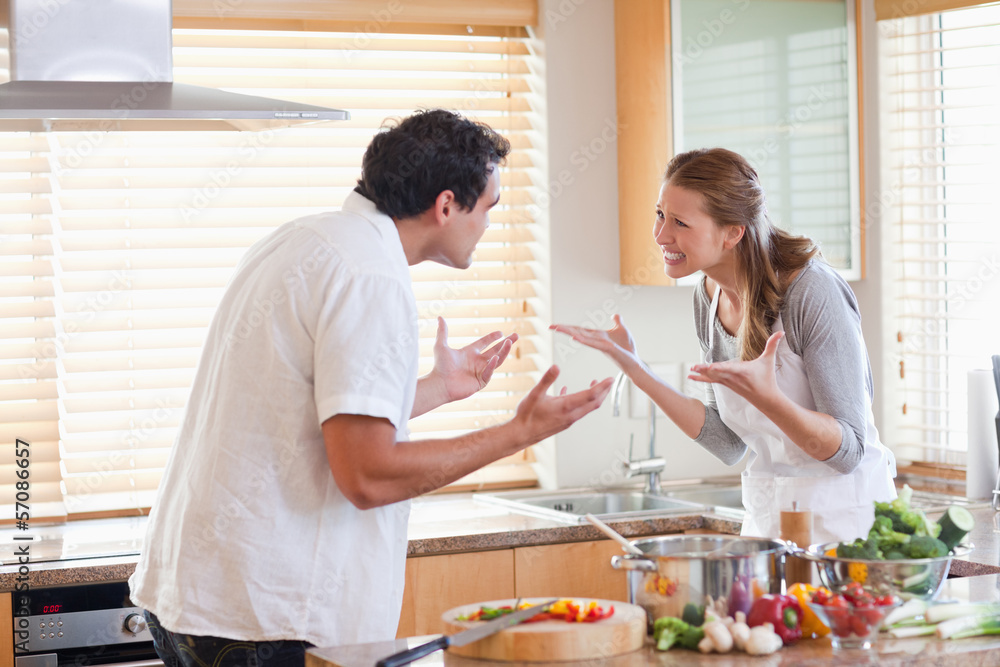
(444, 206)
(733, 235)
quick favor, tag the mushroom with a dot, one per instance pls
(717, 638)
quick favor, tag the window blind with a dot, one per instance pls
(942, 124)
(120, 244)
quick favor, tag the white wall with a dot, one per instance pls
(580, 98)
(580, 74)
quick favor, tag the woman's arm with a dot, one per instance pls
(698, 421)
(823, 326)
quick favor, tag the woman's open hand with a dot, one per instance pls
(754, 380)
(616, 342)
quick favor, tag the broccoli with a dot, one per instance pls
(904, 518)
(884, 536)
(668, 631)
(894, 554)
(693, 614)
(925, 546)
(859, 548)
(896, 520)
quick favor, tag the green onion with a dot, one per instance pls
(912, 631)
(943, 612)
(910, 609)
(969, 626)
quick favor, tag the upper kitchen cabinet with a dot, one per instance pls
(774, 80)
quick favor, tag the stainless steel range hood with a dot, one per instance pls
(107, 65)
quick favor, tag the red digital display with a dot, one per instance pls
(51, 608)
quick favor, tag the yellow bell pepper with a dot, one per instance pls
(811, 625)
(858, 572)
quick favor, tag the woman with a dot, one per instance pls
(788, 371)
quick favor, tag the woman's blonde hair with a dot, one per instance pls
(767, 257)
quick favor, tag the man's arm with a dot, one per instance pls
(459, 373)
(372, 469)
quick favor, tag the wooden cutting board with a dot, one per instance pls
(546, 641)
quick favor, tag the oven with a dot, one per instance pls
(83, 625)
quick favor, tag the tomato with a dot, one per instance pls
(859, 626)
(872, 616)
(820, 596)
(838, 602)
(840, 621)
(884, 600)
(864, 600)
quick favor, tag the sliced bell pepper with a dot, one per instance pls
(812, 626)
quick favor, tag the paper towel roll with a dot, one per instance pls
(981, 464)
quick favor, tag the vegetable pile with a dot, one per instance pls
(560, 610)
(773, 621)
(901, 532)
(854, 611)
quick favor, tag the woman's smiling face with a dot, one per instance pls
(689, 239)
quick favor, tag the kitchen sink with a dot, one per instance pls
(727, 497)
(572, 504)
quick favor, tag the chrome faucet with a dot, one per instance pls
(654, 464)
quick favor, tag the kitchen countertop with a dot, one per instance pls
(807, 652)
(108, 549)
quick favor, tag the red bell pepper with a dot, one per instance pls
(782, 611)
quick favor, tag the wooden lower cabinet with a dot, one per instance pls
(575, 569)
(435, 584)
(6, 627)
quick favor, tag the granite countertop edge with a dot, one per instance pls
(484, 537)
(436, 533)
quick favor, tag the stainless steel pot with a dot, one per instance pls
(726, 572)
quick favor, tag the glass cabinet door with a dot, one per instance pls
(776, 81)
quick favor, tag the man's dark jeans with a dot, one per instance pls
(179, 650)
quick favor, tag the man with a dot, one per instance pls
(281, 517)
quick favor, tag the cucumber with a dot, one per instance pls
(956, 522)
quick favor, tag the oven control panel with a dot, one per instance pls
(97, 627)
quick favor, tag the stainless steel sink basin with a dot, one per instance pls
(725, 498)
(571, 505)
(729, 497)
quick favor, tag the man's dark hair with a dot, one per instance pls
(407, 166)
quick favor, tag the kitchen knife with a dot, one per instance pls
(464, 637)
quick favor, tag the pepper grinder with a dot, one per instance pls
(796, 526)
